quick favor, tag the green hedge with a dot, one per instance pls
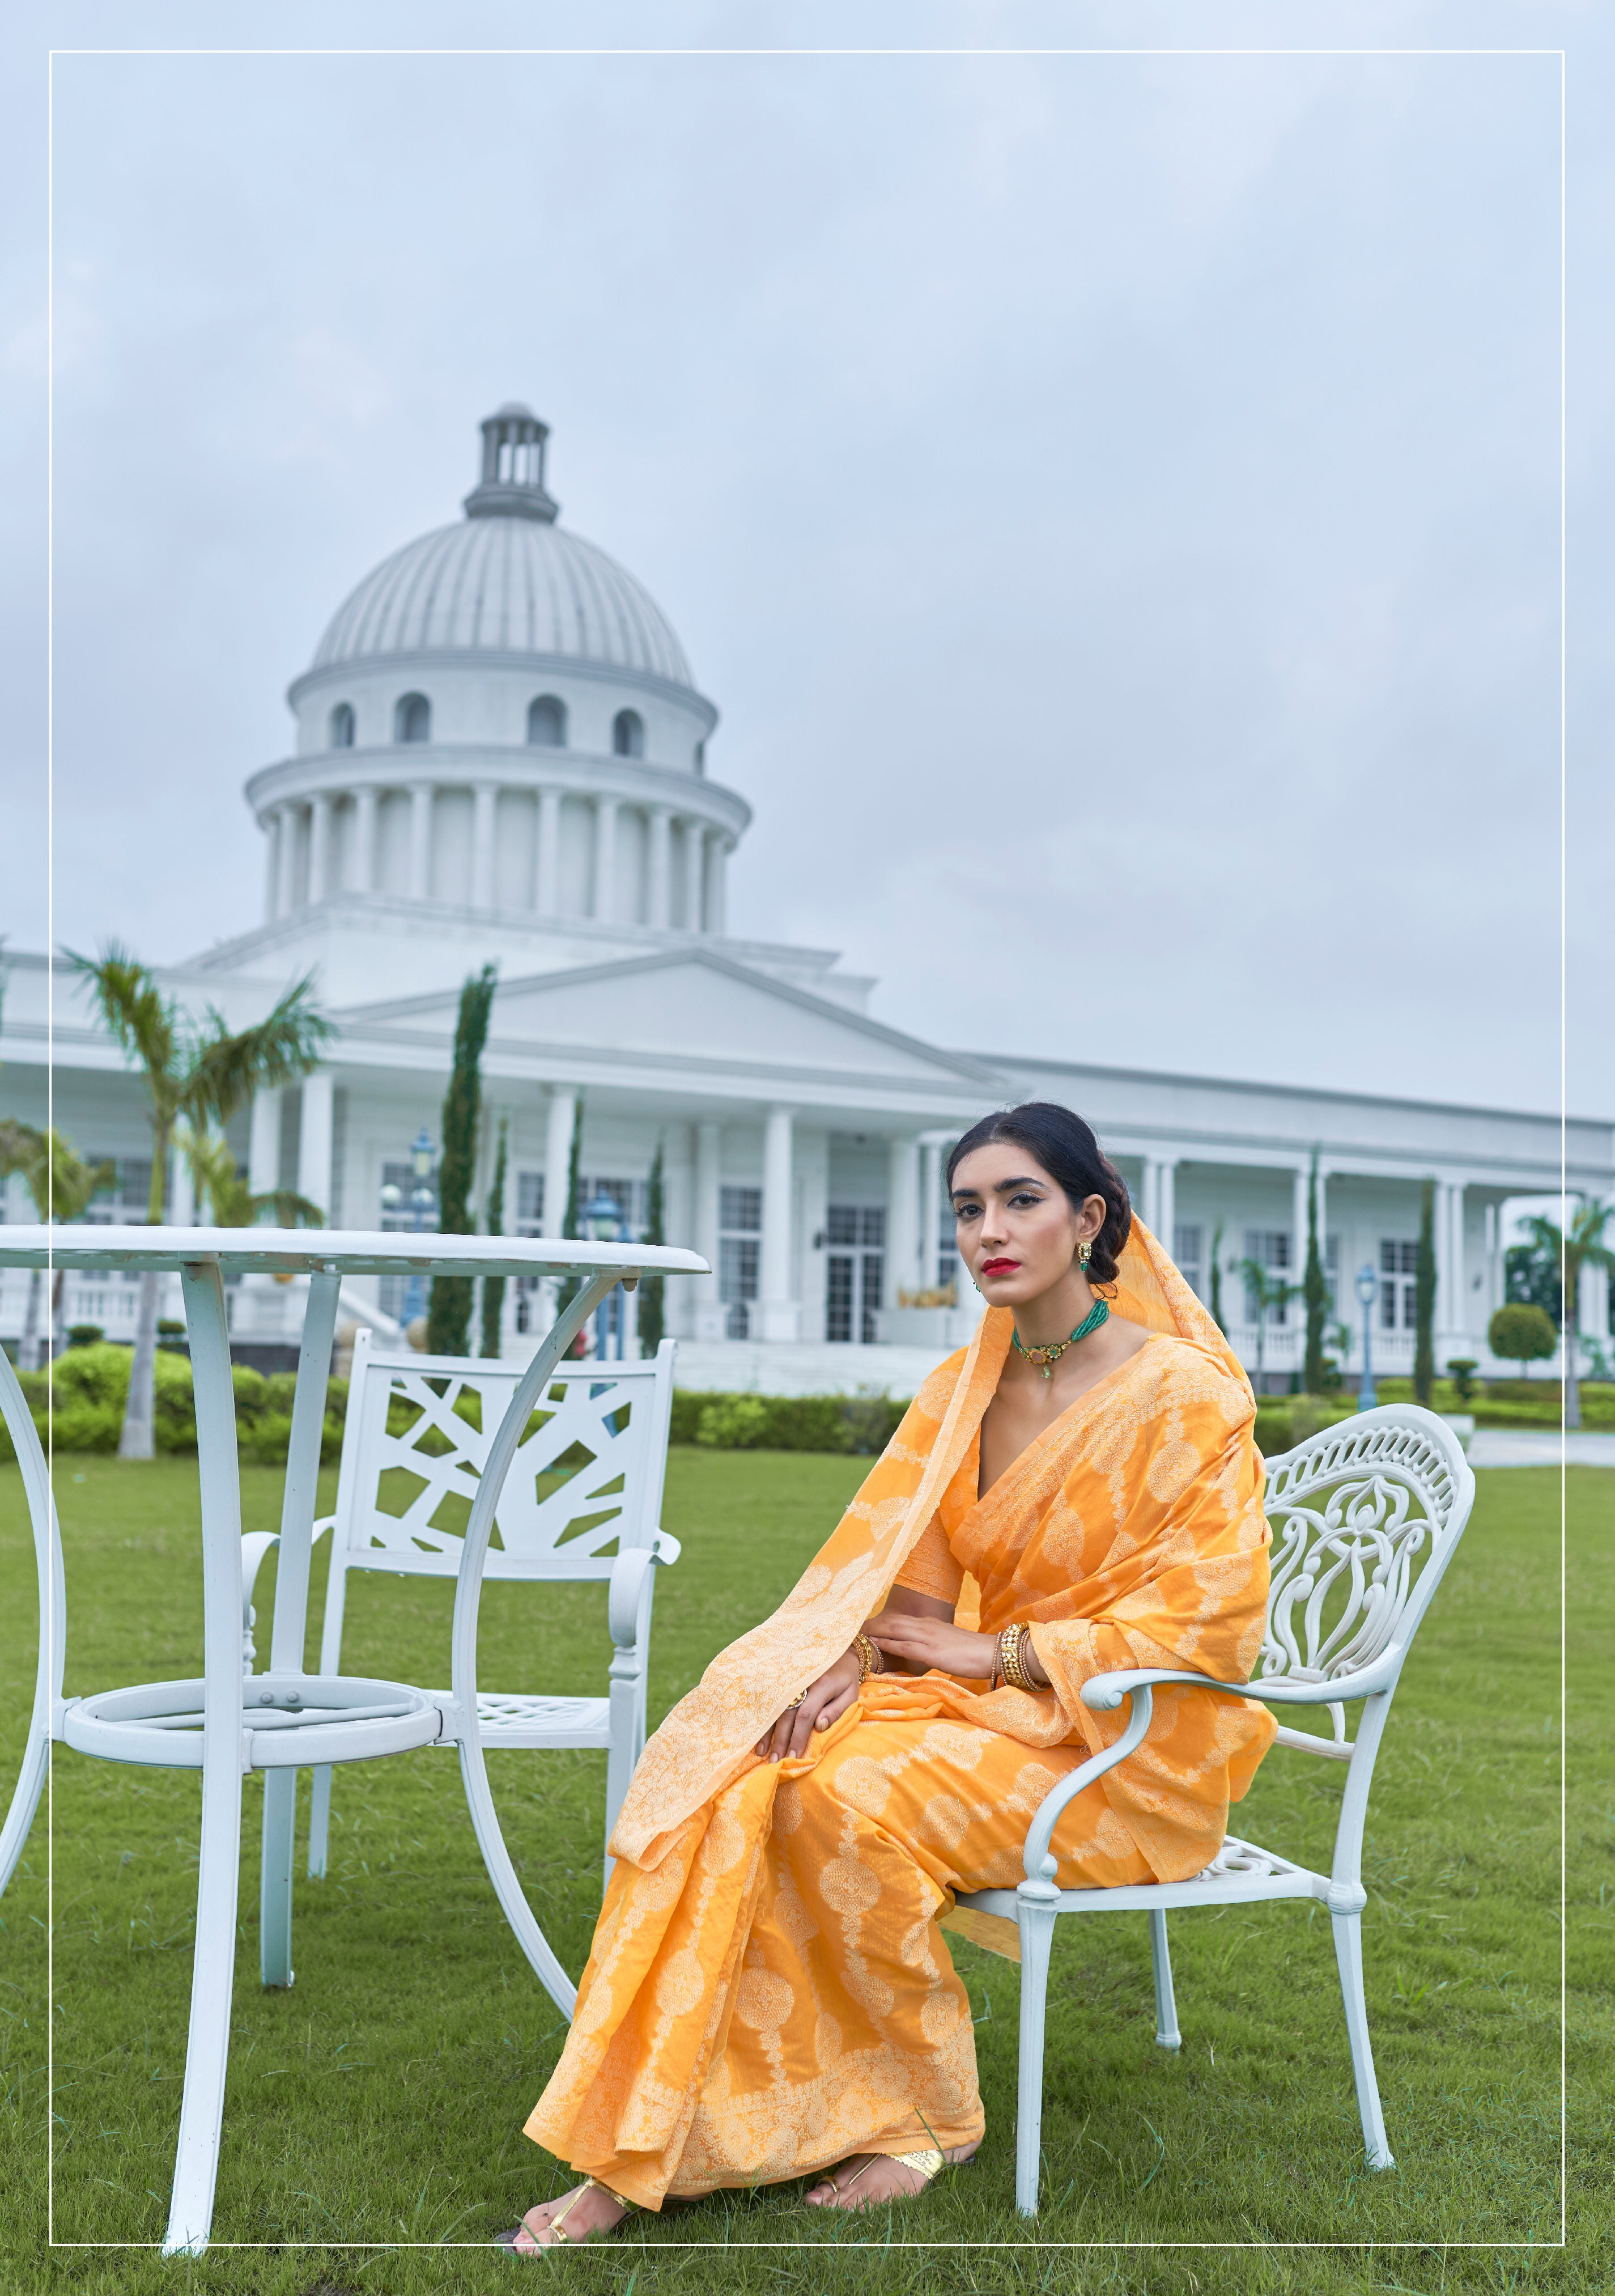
(862, 1424)
(91, 1385)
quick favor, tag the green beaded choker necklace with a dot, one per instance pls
(1045, 1358)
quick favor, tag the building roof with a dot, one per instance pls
(505, 584)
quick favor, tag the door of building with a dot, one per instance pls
(855, 1271)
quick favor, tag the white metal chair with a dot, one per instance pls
(553, 1526)
(53, 1613)
(1365, 1519)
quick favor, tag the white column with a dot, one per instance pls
(319, 849)
(709, 1317)
(264, 1143)
(272, 864)
(1146, 1194)
(366, 871)
(287, 816)
(603, 903)
(659, 856)
(546, 886)
(1298, 1250)
(1592, 1304)
(558, 1155)
(695, 863)
(930, 1212)
(1493, 1260)
(482, 846)
(181, 1196)
(314, 1140)
(715, 918)
(420, 796)
(902, 1216)
(780, 1315)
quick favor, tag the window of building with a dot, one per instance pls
(855, 1271)
(1188, 1249)
(1399, 1283)
(529, 1221)
(628, 733)
(342, 727)
(412, 719)
(740, 1242)
(1270, 1248)
(546, 723)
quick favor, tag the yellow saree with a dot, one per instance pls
(768, 1989)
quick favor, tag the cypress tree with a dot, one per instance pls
(493, 1286)
(1424, 1300)
(651, 1321)
(570, 1290)
(448, 1317)
(1215, 1301)
(1315, 1290)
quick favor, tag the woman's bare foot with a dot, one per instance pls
(594, 2210)
(885, 2179)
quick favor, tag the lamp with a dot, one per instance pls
(1368, 1291)
(603, 1219)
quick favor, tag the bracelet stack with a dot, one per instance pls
(1011, 1659)
(871, 1661)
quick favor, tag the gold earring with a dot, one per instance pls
(1085, 1252)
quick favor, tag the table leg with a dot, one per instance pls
(213, 1963)
(286, 1648)
(468, 1596)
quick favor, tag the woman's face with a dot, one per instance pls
(1017, 1231)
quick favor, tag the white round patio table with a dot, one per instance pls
(294, 1718)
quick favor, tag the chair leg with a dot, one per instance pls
(25, 1802)
(1349, 1955)
(1166, 2007)
(319, 1823)
(1037, 1925)
(275, 1874)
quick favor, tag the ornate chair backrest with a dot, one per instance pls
(586, 1481)
(1365, 1519)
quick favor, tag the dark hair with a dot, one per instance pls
(1067, 1151)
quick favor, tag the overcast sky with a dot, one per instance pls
(1112, 499)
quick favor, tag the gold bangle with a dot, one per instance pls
(1014, 1673)
(871, 1658)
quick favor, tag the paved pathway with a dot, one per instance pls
(1509, 1447)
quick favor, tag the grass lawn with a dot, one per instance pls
(381, 2100)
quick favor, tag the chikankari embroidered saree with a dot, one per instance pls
(769, 1990)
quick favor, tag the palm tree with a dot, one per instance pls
(60, 1183)
(1582, 1246)
(216, 1181)
(1267, 1291)
(199, 1071)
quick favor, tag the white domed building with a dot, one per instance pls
(501, 753)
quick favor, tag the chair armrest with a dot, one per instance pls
(665, 1547)
(1104, 1692)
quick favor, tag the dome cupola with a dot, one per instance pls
(513, 441)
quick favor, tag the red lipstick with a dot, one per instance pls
(999, 1267)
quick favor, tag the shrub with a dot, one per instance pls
(84, 1335)
(96, 1373)
(1461, 1372)
(1522, 1333)
(1274, 1428)
(732, 1423)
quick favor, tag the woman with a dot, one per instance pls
(769, 1995)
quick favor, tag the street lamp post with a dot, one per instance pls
(603, 1217)
(420, 1154)
(1368, 1291)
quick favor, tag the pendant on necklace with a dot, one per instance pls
(1048, 1371)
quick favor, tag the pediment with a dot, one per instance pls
(693, 1006)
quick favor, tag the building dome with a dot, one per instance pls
(507, 579)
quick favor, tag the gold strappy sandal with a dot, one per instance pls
(927, 2163)
(506, 2242)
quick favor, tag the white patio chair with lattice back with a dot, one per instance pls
(1365, 1520)
(598, 1523)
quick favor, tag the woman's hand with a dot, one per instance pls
(826, 1702)
(924, 1642)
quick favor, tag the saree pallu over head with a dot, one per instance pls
(1130, 1534)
